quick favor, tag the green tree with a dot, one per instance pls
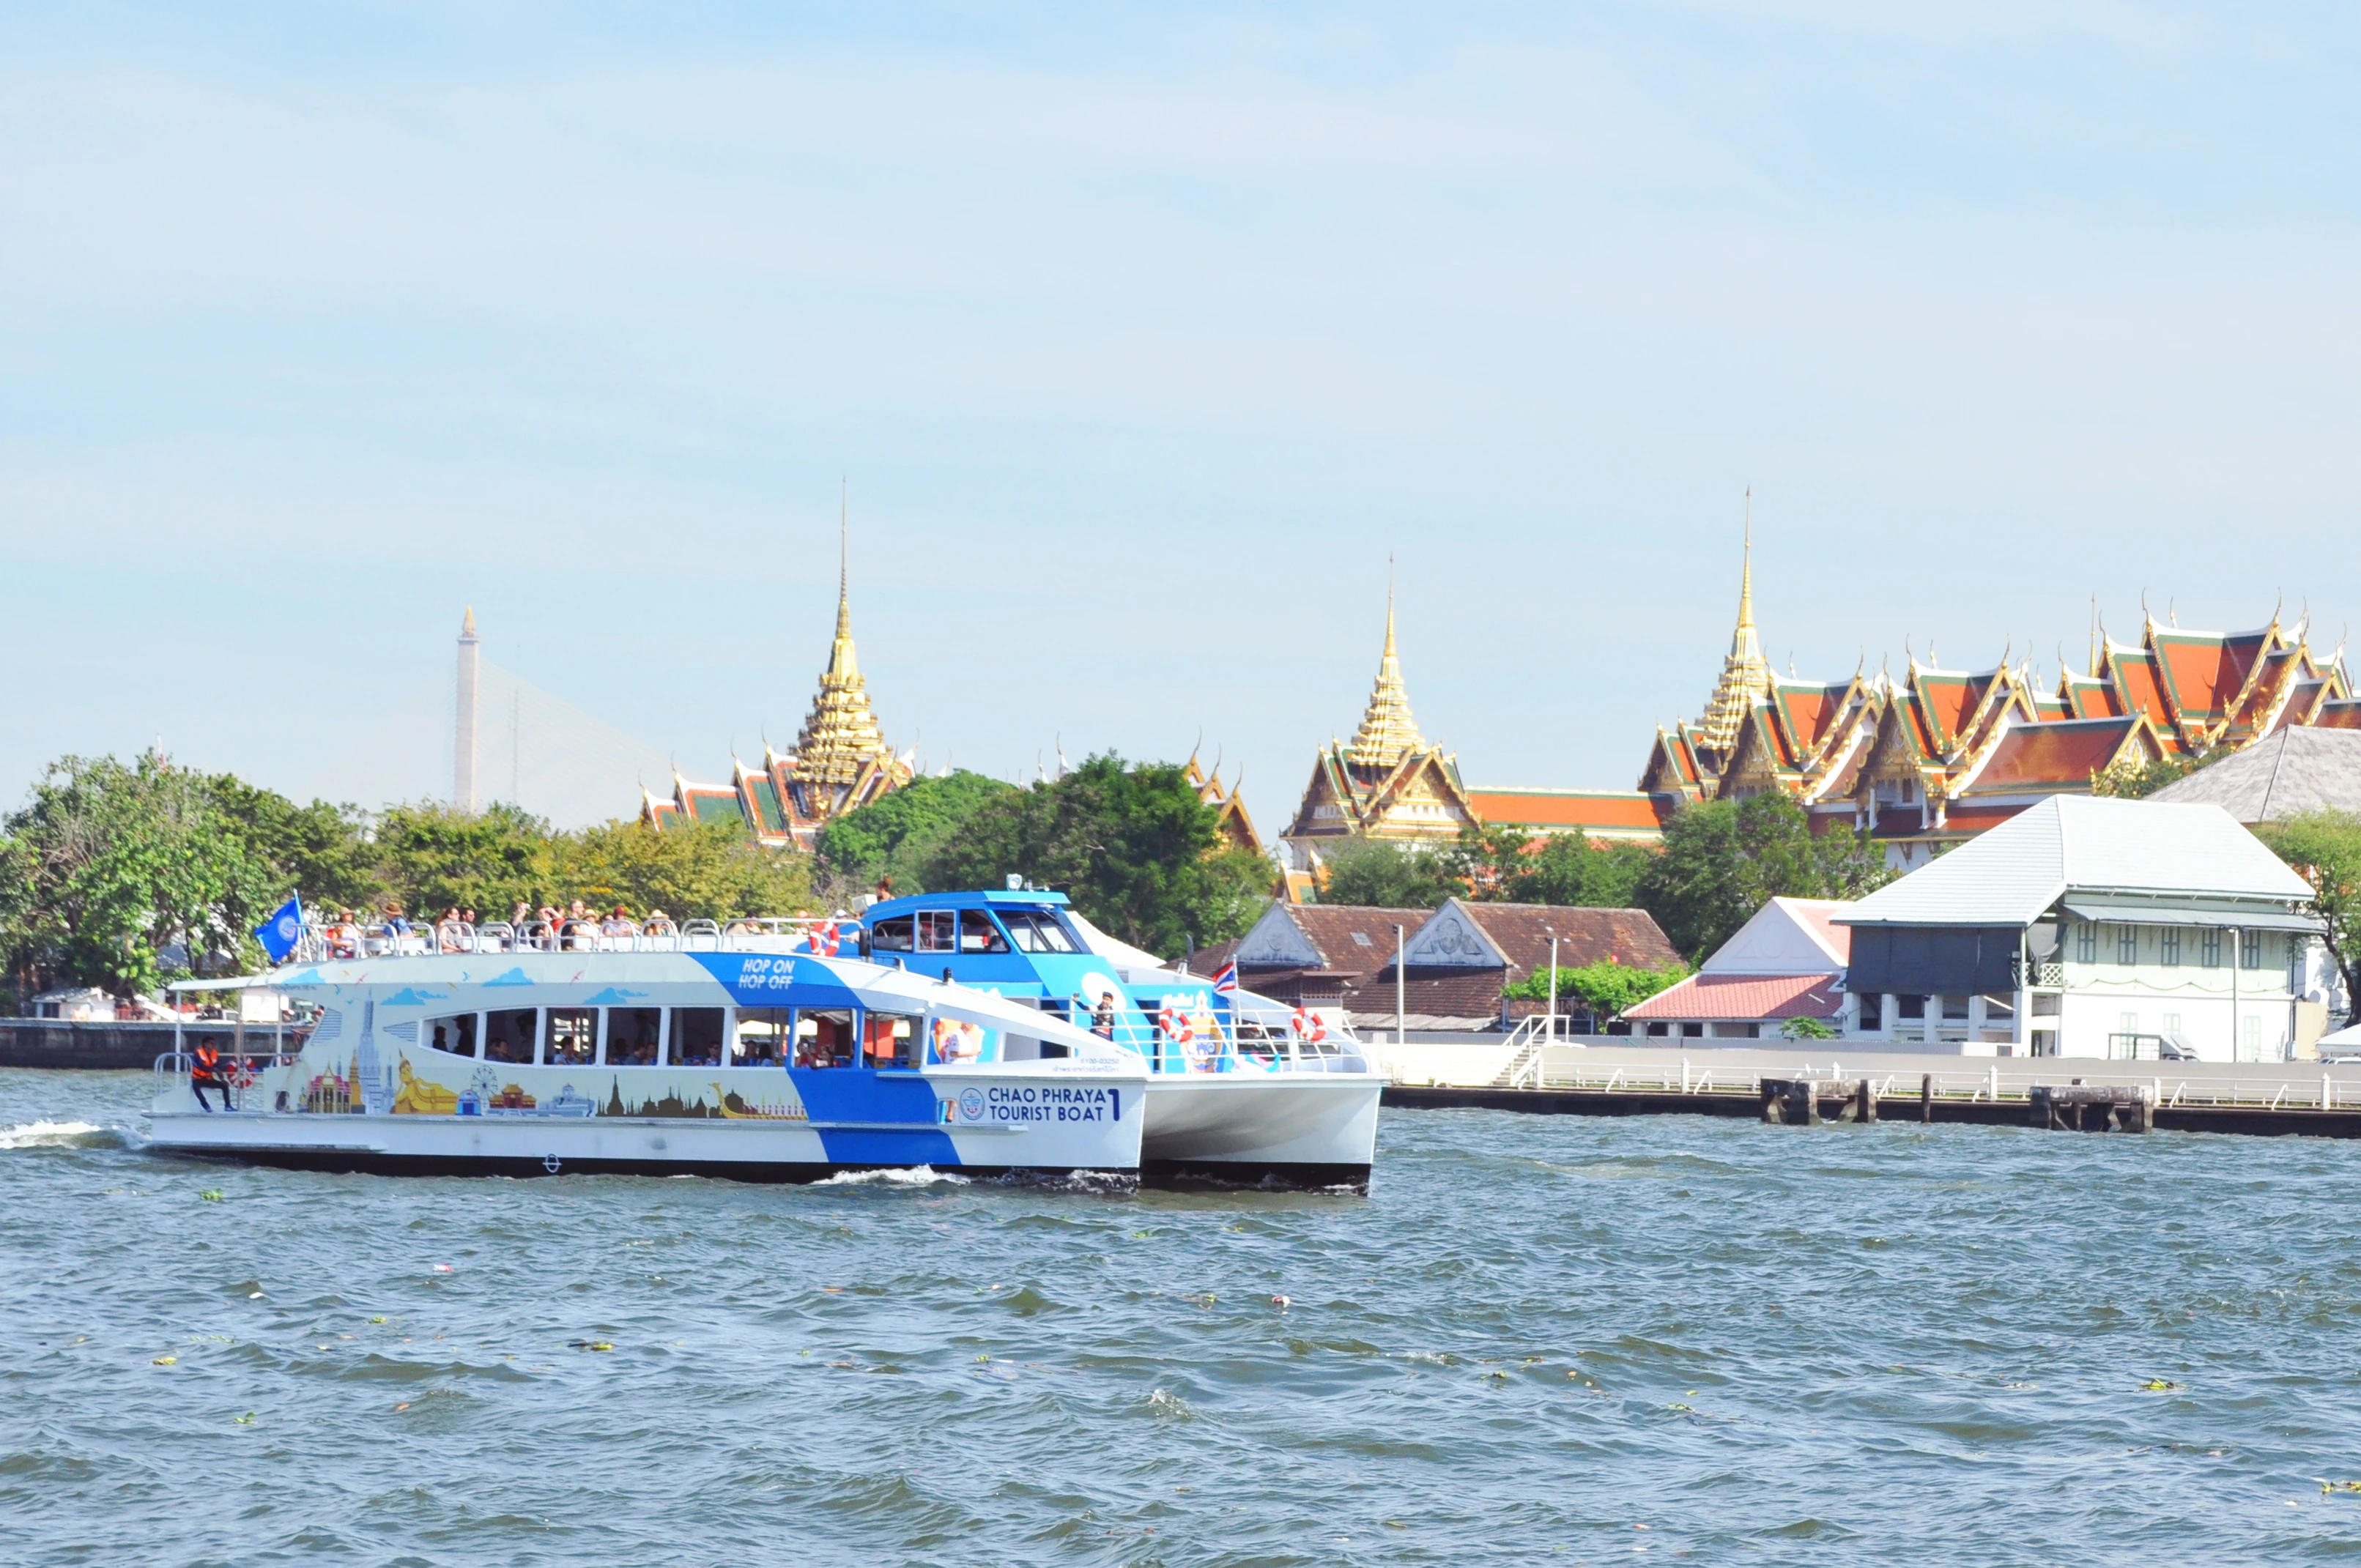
(1605, 989)
(111, 870)
(1571, 868)
(324, 852)
(1132, 845)
(431, 858)
(699, 870)
(900, 832)
(2324, 849)
(1724, 859)
(1806, 1028)
(2136, 781)
(1373, 872)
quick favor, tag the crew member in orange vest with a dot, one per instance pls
(204, 1073)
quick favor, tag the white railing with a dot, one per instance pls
(1989, 1086)
(324, 942)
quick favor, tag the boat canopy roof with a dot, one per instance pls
(1015, 899)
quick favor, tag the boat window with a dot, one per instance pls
(696, 1036)
(1038, 931)
(934, 928)
(455, 1035)
(891, 936)
(509, 1036)
(885, 1039)
(824, 1037)
(762, 1036)
(573, 1035)
(633, 1035)
(978, 934)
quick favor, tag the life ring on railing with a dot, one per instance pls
(1175, 1024)
(1308, 1026)
(243, 1076)
(825, 940)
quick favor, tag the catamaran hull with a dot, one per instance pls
(747, 1149)
(1303, 1129)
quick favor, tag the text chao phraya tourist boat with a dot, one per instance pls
(992, 1033)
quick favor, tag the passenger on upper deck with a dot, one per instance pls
(1103, 1016)
(618, 924)
(395, 925)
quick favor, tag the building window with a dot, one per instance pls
(2250, 1038)
(1955, 1008)
(2250, 949)
(2168, 946)
(2086, 942)
(2209, 948)
(1871, 1015)
(1911, 1006)
(2127, 945)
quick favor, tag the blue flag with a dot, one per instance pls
(278, 934)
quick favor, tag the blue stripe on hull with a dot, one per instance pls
(918, 1146)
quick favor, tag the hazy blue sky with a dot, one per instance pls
(1144, 334)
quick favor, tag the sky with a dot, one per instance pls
(1136, 341)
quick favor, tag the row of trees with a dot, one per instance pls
(123, 876)
(1131, 843)
(1718, 864)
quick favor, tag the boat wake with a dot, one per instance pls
(900, 1176)
(60, 1136)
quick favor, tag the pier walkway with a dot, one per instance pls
(1616, 1077)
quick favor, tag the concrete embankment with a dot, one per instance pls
(51, 1042)
(1621, 1079)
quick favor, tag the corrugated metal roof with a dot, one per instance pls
(2011, 874)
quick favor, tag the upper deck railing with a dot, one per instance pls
(334, 941)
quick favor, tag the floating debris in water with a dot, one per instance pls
(401, 1407)
(211, 1195)
(2328, 1486)
(2162, 1386)
(442, 1268)
(381, 1319)
(591, 1344)
(1281, 1303)
(164, 1361)
(244, 1421)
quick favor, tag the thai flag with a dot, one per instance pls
(1226, 979)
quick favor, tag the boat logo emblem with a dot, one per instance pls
(971, 1105)
(549, 1163)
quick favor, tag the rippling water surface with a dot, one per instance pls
(1539, 1339)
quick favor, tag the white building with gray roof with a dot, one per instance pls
(2093, 928)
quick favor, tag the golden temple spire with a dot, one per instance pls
(1387, 732)
(841, 737)
(1746, 677)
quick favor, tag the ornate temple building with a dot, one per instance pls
(840, 761)
(1388, 783)
(1230, 820)
(1937, 755)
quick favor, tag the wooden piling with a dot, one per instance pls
(1927, 1097)
(1864, 1102)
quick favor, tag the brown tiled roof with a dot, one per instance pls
(1331, 928)
(1584, 936)
(1430, 993)
(2345, 714)
(2043, 755)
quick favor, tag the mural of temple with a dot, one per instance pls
(840, 762)
(1935, 756)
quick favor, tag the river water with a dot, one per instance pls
(1537, 1340)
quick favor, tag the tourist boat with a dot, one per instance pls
(759, 1053)
(1240, 1088)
